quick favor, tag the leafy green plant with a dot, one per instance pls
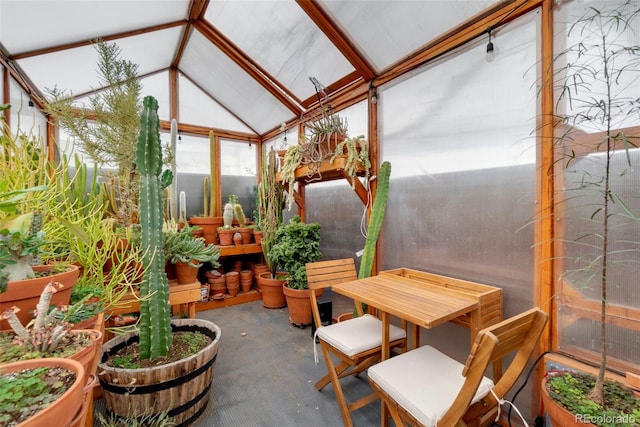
(296, 244)
(183, 246)
(24, 393)
(620, 406)
(595, 146)
(270, 193)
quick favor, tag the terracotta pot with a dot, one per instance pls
(246, 284)
(237, 239)
(226, 237)
(246, 234)
(259, 268)
(181, 387)
(299, 305)
(65, 409)
(209, 227)
(233, 290)
(25, 294)
(344, 316)
(559, 416)
(271, 288)
(232, 278)
(185, 273)
(257, 236)
(218, 285)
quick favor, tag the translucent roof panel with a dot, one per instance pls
(75, 69)
(387, 31)
(52, 23)
(283, 40)
(205, 112)
(230, 85)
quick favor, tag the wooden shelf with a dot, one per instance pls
(183, 296)
(252, 248)
(326, 171)
(241, 298)
(323, 171)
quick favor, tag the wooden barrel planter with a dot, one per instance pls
(183, 387)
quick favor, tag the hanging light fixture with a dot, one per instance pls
(490, 52)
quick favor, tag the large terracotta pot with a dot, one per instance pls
(299, 305)
(559, 416)
(182, 388)
(209, 227)
(65, 410)
(25, 294)
(272, 289)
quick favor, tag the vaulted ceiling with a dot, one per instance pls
(240, 65)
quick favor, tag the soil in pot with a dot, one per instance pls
(175, 383)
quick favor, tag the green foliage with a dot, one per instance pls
(125, 362)
(596, 108)
(136, 420)
(571, 390)
(24, 393)
(111, 137)
(155, 311)
(294, 246)
(183, 246)
(271, 196)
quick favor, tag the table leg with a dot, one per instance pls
(385, 335)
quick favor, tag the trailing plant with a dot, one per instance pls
(292, 160)
(155, 311)
(357, 151)
(596, 146)
(295, 245)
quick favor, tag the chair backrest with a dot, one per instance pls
(322, 274)
(518, 334)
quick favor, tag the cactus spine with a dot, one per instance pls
(155, 311)
(375, 221)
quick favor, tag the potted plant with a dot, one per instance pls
(164, 364)
(295, 245)
(356, 150)
(24, 217)
(188, 253)
(42, 392)
(271, 197)
(595, 149)
(209, 221)
(48, 335)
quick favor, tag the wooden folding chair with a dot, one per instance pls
(356, 342)
(425, 387)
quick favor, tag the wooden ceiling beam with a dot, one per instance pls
(197, 10)
(259, 74)
(111, 37)
(474, 27)
(338, 38)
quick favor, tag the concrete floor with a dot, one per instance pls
(265, 374)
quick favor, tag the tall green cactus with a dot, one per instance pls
(213, 175)
(155, 311)
(375, 221)
(173, 188)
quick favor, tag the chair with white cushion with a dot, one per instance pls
(355, 342)
(425, 387)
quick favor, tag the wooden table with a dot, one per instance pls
(408, 300)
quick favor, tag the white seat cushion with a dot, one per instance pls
(424, 381)
(359, 334)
